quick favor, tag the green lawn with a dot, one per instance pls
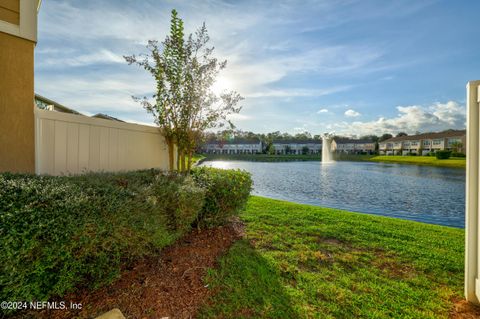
(301, 261)
(196, 158)
(422, 160)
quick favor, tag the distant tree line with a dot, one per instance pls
(232, 134)
(268, 138)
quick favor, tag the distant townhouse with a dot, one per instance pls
(422, 144)
(50, 105)
(46, 104)
(235, 146)
(352, 146)
(297, 146)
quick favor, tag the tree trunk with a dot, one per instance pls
(189, 163)
(182, 161)
(171, 161)
(179, 160)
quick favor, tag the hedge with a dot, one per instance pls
(61, 233)
(441, 154)
(226, 193)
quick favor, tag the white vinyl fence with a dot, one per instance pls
(472, 227)
(73, 144)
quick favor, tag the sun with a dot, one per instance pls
(221, 84)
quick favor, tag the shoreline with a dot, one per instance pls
(458, 163)
(348, 211)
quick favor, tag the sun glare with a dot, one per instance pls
(222, 84)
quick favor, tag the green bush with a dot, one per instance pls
(457, 154)
(443, 154)
(227, 192)
(180, 198)
(58, 233)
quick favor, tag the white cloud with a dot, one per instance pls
(451, 112)
(322, 111)
(410, 119)
(238, 117)
(351, 113)
(101, 56)
(300, 129)
(296, 92)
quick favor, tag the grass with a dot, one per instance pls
(196, 158)
(301, 261)
(353, 157)
(458, 162)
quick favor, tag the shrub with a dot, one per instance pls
(456, 154)
(59, 233)
(180, 199)
(227, 192)
(443, 154)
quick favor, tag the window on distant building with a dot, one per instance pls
(426, 142)
(454, 140)
(437, 142)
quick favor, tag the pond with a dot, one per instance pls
(427, 194)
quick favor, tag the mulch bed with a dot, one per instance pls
(465, 310)
(171, 285)
(167, 286)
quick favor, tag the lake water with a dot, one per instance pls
(428, 194)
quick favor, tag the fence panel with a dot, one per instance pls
(74, 144)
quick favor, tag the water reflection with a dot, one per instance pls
(423, 193)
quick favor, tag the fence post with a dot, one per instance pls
(472, 284)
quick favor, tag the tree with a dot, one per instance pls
(401, 134)
(184, 105)
(372, 138)
(166, 68)
(203, 109)
(270, 149)
(305, 150)
(457, 146)
(288, 149)
(303, 136)
(385, 137)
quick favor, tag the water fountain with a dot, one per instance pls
(327, 148)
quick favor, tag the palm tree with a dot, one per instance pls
(457, 146)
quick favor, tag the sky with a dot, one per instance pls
(351, 67)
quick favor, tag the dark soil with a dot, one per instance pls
(170, 285)
(465, 310)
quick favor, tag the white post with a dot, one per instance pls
(472, 283)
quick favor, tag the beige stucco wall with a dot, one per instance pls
(10, 11)
(17, 151)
